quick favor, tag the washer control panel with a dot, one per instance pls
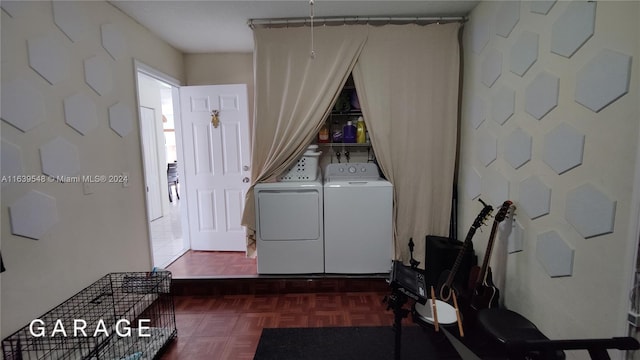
(351, 171)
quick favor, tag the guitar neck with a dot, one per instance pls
(458, 261)
(487, 256)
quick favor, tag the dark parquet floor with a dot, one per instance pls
(213, 264)
(228, 326)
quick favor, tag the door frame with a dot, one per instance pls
(140, 67)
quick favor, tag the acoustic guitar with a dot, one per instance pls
(485, 293)
(445, 281)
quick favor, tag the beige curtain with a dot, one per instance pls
(407, 83)
(293, 95)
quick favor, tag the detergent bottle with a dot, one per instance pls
(349, 133)
(361, 130)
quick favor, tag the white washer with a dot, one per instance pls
(358, 222)
(289, 227)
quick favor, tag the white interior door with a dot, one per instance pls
(152, 173)
(216, 164)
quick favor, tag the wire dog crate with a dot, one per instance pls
(121, 316)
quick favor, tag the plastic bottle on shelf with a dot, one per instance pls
(336, 132)
(349, 133)
(361, 131)
(323, 135)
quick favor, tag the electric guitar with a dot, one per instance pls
(485, 293)
(445, 281)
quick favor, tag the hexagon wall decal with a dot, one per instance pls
(70, 18)
(120, 119)
(491, 67)
(48, 58)
(59, 159)
(541, 95)
(603, 80)
(573, 28)
(473, 183)
(11, 161)
(479, 35)
(534, 197)
(541, 6)
(495, 188)
(33, 215)
(590, 211)
(507, 17)
(22, 104)
(515, 242)
(554, 254)
(563, 148)
(80, 113)
(113, 41)
(13, 8)
(517, 151)
(476, 113)
(524, 53)
(487, 148)
(503, 104)
(98, 75)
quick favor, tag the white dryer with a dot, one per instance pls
(289, 227)
(358, 219)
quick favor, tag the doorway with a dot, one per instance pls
(159, 120)
(204, 208)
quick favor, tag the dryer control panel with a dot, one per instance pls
(351, 171)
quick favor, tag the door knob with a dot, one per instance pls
(245, 180)
(245, 168)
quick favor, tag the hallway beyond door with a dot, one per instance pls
(166, 232)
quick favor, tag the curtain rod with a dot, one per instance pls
(253, 23)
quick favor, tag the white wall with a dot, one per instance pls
(592, 301)
(95, 234)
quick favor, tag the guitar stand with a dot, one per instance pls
(396, 302)
(404, 284)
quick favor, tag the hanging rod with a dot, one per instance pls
(280, 22)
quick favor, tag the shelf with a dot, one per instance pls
(347, 113)
(344, 144)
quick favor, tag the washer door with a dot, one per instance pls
(289, 215)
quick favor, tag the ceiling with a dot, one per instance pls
(221, 26)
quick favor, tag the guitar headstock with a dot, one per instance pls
(504, 209)
(482, 216)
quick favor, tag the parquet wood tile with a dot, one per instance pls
(241, 347)
(222, 304)
(296, 303)
(219, 325)
(253, 323)
(187, 323)
(264, 303)
(233, 303)
(324, 318)
(329, 302)
(290, 320)
(194, 304)
(229, 326)
(204, 347)
(213, 263)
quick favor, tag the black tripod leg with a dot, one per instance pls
(396, 302)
